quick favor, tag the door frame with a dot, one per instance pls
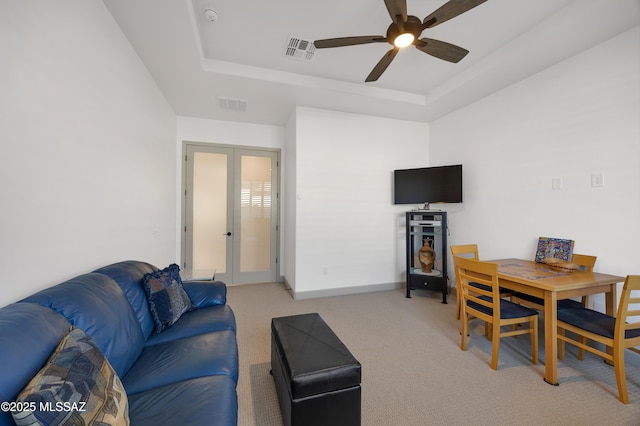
(183, 199)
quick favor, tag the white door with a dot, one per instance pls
(230, 214)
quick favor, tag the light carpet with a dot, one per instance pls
(414, 372)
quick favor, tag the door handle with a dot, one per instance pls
(228, 234)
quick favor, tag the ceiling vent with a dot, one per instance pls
(232, 104)
(299, 48)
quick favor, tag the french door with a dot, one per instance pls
(230, 214)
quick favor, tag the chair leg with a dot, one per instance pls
(458, 303)
(514, 327)
(561, 344)
(495, 348)
(621, 379)
(488, 330)
(465, 326)
(534, 339)
(585, 301)
(584, 341)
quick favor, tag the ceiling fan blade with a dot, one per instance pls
(397, 10)
(441, 50)
(449, 10)
(347, 41)
(382, 65)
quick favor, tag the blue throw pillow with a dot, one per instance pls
(77, 386)
(166, 296)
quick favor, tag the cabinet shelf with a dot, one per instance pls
(430, 234)
(433, 273)
(423, 227)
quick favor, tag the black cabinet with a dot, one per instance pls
(427, 229)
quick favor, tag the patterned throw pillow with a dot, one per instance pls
(77, 386)
(166, 296)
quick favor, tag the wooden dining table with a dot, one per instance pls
(551, 284)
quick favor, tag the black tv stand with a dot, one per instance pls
(423, 225)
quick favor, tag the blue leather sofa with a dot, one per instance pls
(184, 375)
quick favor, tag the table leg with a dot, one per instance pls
(610, 300)
(610, 308)
(551, 337)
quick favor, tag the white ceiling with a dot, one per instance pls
(241, 55)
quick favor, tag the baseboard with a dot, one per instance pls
(343, 291)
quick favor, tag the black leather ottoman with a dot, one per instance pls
(317, 379)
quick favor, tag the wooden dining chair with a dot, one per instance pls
(469, 251)
(585, 263)
(617, 333)
(486, 304)
(464, 250)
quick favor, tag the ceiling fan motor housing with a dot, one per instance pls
(413, 26)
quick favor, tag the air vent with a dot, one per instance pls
(232, 104)
(299, 48)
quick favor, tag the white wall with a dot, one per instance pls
(348, 232)
(579, 117)
(289, 202)
(87, 163)
(229, 133)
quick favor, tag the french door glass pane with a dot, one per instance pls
(255, 217)
(209, 213)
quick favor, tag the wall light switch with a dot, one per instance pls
(556, 184)
(597, 180)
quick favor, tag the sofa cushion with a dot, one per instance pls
(29, 333)
(200, 321)
(97, 305)
(208, 400)
(206, 293)
(166, 296)
(128, 275)
(77, 385)
(171, 362)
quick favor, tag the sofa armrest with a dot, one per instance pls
(206, 293)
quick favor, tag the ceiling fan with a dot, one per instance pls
(406, 30)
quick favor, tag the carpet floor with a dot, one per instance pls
(414, 373)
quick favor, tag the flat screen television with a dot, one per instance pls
(428, 185)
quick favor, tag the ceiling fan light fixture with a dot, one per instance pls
(404, 40)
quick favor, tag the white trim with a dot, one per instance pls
(343, 291)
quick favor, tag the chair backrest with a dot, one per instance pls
(585, 261)
(465, 250)
(470, 272)
(628, 318)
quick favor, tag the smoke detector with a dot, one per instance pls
(211, 15)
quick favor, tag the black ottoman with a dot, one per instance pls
(317, 379)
